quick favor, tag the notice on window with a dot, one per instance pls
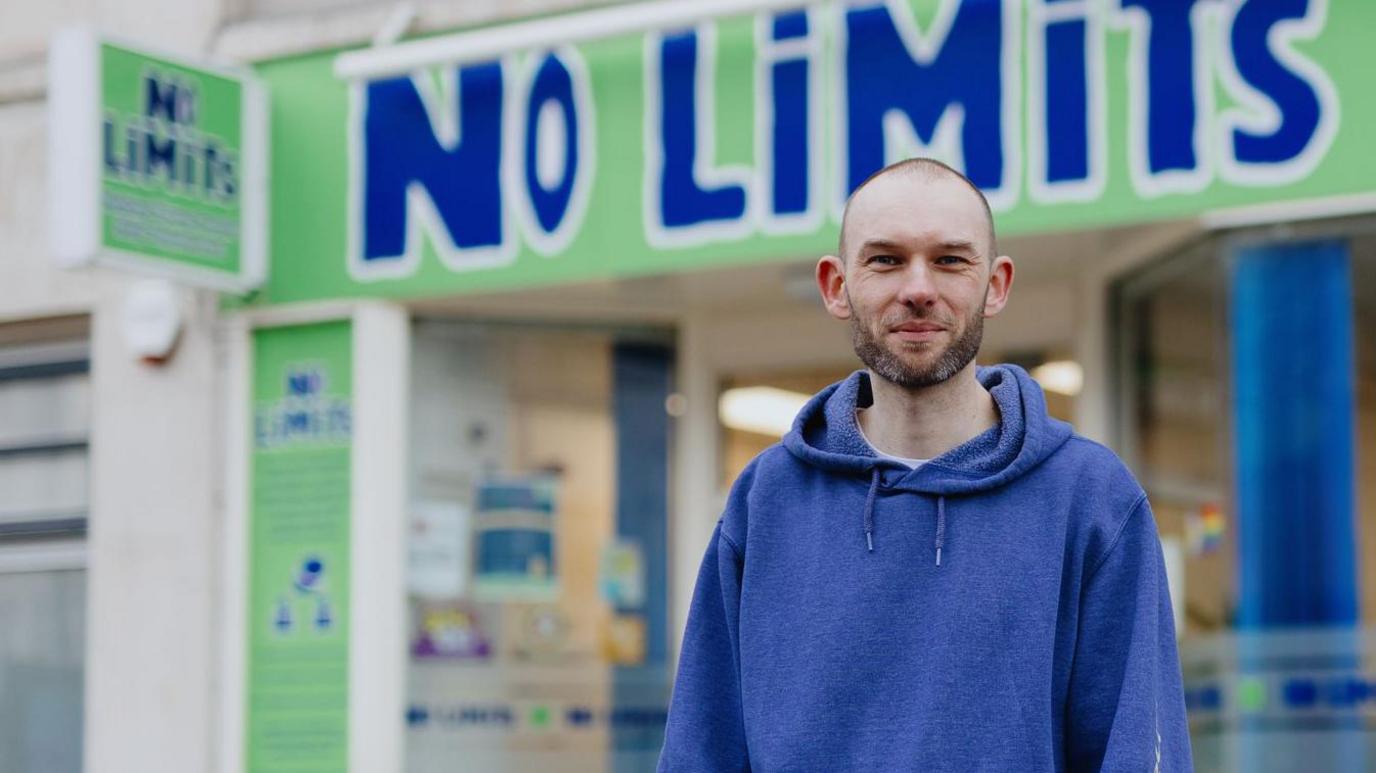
(515, 538)
(437, 568)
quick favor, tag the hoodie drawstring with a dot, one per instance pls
(940, 525)
(869, 510)
(869, 517)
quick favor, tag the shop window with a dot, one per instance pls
(1364, 354)
(756, 410)
(538, 572)
(1060, 376)
(44, 428)
(1173, 423)
(1247, 408)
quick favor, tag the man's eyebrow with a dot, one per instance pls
(955, 245)
(880, 244)
(958, 244)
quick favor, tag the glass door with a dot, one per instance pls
(1247, 408)
(538, 572)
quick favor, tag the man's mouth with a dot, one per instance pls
(917, 331)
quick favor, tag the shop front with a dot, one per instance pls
(536, 295)
(1246, 408)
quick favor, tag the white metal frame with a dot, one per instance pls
(67, 553)
(55, 557)
(377, 614)
(233, 635)
(377, 537)
(74, 164)
(1272, 213)
(543, 33)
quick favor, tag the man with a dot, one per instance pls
(928, 573)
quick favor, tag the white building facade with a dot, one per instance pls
(576, 362)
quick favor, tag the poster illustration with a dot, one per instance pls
(621, 574)
(514, 533)
(450, 631)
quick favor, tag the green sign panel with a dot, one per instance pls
(299, 571)
(737, 141)
(157, 165)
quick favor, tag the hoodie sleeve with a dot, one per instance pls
(705, 731)
(1126, 704)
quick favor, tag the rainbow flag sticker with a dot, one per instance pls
(1205, 528)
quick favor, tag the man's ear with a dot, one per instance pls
(1000, 285)
(831, 281)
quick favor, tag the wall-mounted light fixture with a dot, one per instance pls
(1064, 377)
(762, 409)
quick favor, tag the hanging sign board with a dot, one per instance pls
(157, 165)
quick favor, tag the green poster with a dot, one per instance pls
(298, 648)
(158, 164)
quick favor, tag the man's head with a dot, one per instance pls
(918, 272)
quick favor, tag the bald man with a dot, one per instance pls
(928, 573)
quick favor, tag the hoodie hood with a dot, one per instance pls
(825, 435)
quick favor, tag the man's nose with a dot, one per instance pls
(919, 286)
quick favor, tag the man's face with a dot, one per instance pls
(917, 266)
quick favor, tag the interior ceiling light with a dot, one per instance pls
(1064, 377)
(761, 409)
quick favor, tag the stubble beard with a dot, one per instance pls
(883, 362)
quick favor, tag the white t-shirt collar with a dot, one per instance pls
(910, 463)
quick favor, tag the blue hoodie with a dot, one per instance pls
(1001, 608)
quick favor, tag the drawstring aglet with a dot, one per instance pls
(869, 540)
(938, 556)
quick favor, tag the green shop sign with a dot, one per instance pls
(156, 165)
(737, 140)
(299, 542)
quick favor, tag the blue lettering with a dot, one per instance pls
(1300, 693)
(1344, 692)
(460, 171)
(323, 616)
(1068, 137)
(161, 99)
(1258, 66)
(417, 715)
(297, 422)
(282, 619)
(132, 145)
(1066, 101)
(219, 171)
(552, 85)
(1171, 113)
(883, 74)
(108, 130)
(340, 419)
(790, 152)
(263, 430)
(790, 26)
(158, 154)
(683, 201)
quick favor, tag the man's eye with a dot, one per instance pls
(950, 259)
(887, 260)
